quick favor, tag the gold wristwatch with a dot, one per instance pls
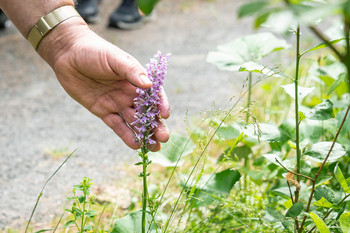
(48, 22)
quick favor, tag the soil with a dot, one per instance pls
(40, 123)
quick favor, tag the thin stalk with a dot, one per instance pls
(249, 97)
(59, 221)
(145, 191)
(42, 190)
(83, 215)
(99, 220)
(298, 165)
(246, 159)
(297, 174)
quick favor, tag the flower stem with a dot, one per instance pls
(298, 154)
(246, 157)
(297, 110)
(145, 190)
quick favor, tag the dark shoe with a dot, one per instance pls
(88, 10)
(4, 21)
(126, 16)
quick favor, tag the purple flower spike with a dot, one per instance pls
(146, 104)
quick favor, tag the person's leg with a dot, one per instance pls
(88, 9)
(4, 21)
(126, 16)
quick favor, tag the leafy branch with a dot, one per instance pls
(320, 169)
(294, 173)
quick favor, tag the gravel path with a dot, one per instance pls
(37, 116)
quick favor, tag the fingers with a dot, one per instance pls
(117, 124)
(164, 106)
(161, 133)
(127, 67)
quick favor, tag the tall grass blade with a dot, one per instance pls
(42, 189)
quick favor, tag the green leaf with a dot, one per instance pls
(341, 80)
(261, 19)
(344, 221)
(259, 68)
(319, 151)
(273, 215)
(131, 223)
(322, 111)
(236, 153)
(340, 116)
(263, 132)
(251, 8)
(341, 211)
(325, 192)
(302, 91)
(323, 203)
(282, 192)
(322, 45)
(44, 230)
(288, 203)
(87, 228)
(295, 210)
(221, 182)
(288, 224)
(251, 48)
(177, 146)
(91, 213)
(321, 226)
(341, 179)
(146, 6)
(69, 223)
(228, 132)
(81, 198)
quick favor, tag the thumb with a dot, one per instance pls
(127, 67)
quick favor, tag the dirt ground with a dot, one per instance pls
(39, 121)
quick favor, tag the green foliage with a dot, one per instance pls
(251, 8)
(81, 212)
(322, 111)
(173, 151)
(341, 179)
(319, 151)
(147, 6)
(295, 210)
(345, 222)
(221, 182)
(131, 223)
(252, 48)
(321, 226)
(302, 91)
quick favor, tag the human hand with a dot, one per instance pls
(101, 77)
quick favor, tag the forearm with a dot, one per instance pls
(25, 13)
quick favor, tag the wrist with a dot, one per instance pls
(61, 38)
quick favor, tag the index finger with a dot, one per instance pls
(127, 67)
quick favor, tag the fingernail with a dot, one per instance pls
(145, 80)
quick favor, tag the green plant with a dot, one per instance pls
(81, 210)
(302, 211)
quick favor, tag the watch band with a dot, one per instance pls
(48, 22)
